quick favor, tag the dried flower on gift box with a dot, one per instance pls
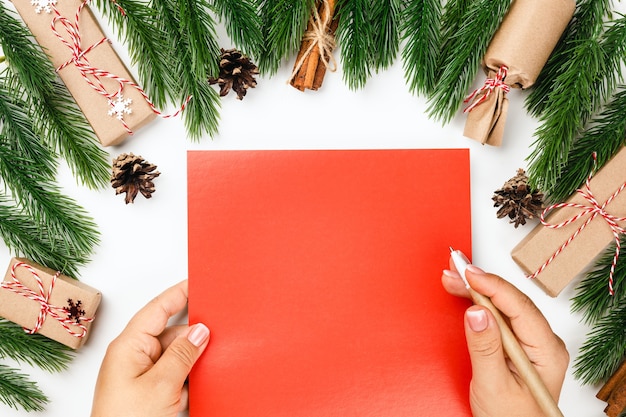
(518, 200)
(237, 72)
(133, 174)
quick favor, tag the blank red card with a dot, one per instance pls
(318, 273)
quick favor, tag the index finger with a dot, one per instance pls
(152, 319)
(526, 320)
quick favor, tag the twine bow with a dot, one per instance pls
(319, 36)
(485, 91)
(60, 314)
(92, 75)
(595, 209)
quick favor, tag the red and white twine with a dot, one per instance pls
(74, 326)
(594, 209)
(481, 94)
(92, 75)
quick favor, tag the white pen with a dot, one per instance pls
(525, 368)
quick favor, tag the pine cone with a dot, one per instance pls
(236, 72)
(132, 174)
(517, 201)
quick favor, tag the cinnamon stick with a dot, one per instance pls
(308, 73)
(320, 72)
(612, 383)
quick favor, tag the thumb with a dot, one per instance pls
(489, 368)
(177, 360)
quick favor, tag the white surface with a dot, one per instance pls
(143, 247)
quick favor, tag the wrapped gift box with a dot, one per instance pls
(68, 307)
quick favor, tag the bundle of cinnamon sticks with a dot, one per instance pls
(315, 55)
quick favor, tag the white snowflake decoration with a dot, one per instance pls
(119, 107)
(43, 5)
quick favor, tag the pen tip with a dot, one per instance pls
(451, 250)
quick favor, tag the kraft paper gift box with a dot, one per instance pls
(70, 305)
(542, 242)
(94, 105)
(523, 43)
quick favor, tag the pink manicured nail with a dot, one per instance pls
(451, 274)
(198, 334)
(475, 270)
(477, 320)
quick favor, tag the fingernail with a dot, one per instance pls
(451, 274)
(198, 334)
(477, 320)
(475, 270)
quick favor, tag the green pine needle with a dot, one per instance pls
(25, 238)
(16, 391)
(385, 21)
(462, 60)
(606, 136)
(27, 170)
(451, 22)
(148, 46)
(201, 113)
(592, 294)
(421, 33)
(576, 96)
(587, 23)
(199, 26)
(57, 119)
(355, 35)
(27, 60)
(568, 110)
(603, 349)
(34, 350)
(243, 24)
(284, 23)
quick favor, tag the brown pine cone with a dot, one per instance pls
(131, 175)
(236, 72)
(517, 200)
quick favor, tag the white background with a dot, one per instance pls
(143, 247)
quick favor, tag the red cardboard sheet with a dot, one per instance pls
(318, 273)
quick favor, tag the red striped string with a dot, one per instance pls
(595, 209)
(481, 94)
(92, 75)
(60, 314)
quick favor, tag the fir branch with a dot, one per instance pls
(57, 119)
(451, 22)
(284, 23)
(34, 350)
(16, 391)
(199, 27)
(67, 131)
(26, 238)
(606, 136)
(19, 132)
(148, 45)
(201, 113)
(587, 23)
(592, 295)
(25, 59)
(603, 349)
(243, 24)
(385, 21)
(568, 110)
(579, 95)
(26, 170)
(421, 33)
(481, 20)
(61, 218)
(355, 35)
